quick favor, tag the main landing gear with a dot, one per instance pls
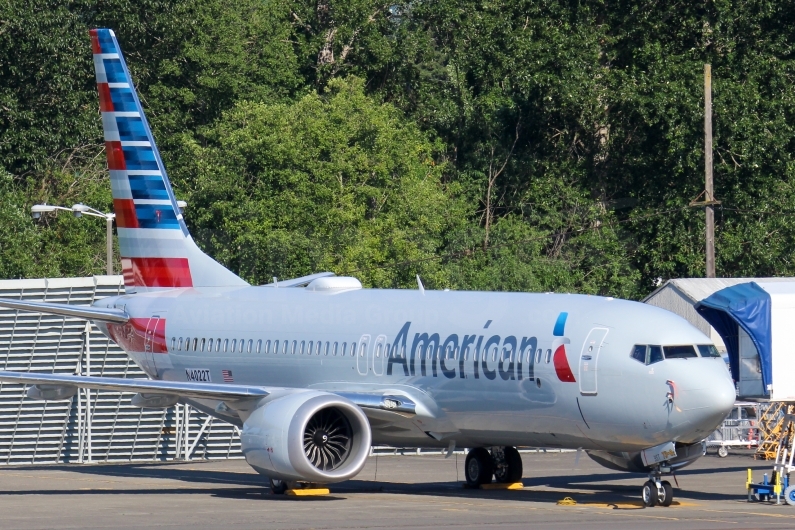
(502, 463)
(657, 492)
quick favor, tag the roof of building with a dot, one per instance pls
(696, 289)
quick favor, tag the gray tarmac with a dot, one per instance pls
(391, 492)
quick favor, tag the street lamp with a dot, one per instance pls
(78, 210)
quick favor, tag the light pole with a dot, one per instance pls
(78, 210)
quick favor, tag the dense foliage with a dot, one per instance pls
(506, 145)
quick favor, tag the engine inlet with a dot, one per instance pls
(327, 439)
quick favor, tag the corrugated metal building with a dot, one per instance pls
(94, 426)
(681, 295)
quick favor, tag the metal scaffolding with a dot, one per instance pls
(94, 426)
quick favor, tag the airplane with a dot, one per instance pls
(315, 370)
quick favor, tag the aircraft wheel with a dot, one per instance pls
(479, 467)
(278, 487)
(668, 494)
(509, 468)
(723, 451)
(649, 494)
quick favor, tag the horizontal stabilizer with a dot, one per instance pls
(101, 314)
(144, 386)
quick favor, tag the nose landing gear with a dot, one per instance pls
(655, 491)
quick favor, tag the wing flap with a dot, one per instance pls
(84, 312)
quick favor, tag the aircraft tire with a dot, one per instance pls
(278, 487)
(649, 494)
(511, 469)
(669, 494)
(479, 467)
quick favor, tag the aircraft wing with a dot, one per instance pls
(116, 316)
(144, 386)
(228, 392)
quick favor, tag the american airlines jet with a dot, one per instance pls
(315, 370)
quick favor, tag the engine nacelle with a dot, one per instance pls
(686, 454)
(52, 392)
(308, 436)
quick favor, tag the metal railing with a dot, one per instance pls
(94, 426)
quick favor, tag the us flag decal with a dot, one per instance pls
(227, 376)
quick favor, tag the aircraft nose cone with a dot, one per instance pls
(707, 397)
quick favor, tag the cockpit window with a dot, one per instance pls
(708, 350)
(647, 354)
(680, 352)
(639, 353)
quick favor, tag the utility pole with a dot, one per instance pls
(710, 198)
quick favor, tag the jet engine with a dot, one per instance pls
(686, 454)
(307, 436)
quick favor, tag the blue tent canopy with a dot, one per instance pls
(748, 306)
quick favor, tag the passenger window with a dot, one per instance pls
(639, 353)
(344, 348)
(327, 348)
(708, 350)
(679, 352)
(292, 350)
(549, 355)
(655, 354)
(465, 353)
(538, 356)
(276, 346)
(179, 344)
(335, 349)
(353, 349)
(173, 343)
(195, 343)
(250, 344)
(267, 347)
(386, 350)
(303, 345)
(233, 347)
(259, 345)
(284, 347)
(187, 344)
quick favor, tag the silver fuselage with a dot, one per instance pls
(611, 402)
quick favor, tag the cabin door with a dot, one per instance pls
(154, 342)
(589, 356)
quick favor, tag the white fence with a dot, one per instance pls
(94, 426)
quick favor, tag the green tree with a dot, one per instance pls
(335, 181)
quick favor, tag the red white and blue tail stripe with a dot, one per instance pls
(156, 249)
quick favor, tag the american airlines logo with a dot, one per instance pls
(510, 358)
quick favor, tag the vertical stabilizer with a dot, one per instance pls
(156, 249)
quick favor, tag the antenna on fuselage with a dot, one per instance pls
(419, 284)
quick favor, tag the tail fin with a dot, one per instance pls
(156, 249)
